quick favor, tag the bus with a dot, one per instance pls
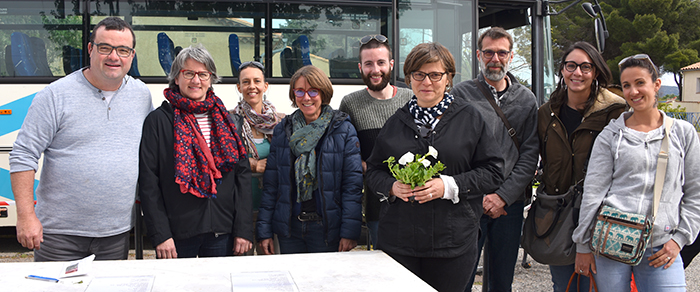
(43, 40)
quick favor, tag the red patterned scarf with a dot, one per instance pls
(198, 167)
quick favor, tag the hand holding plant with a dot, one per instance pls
(415, 170)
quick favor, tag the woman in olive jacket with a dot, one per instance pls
(568, 124)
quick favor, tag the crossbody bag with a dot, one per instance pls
(492, 102)
(623, 236)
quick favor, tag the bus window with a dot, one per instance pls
(37, 38)
(326, 36)
(231, 31)
(450, 23)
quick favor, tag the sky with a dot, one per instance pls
(667, 79)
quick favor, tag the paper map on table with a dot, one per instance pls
(268, 281)
(122, 284)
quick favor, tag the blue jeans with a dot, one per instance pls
(205, 245)
(615, 276)
(307, 237)
(561, 276)
(503, 235)
(372, 227)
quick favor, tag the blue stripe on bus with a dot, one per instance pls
(6, 187)
(13, 122)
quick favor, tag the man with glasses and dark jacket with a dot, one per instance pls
(501, 222)
(369, 109)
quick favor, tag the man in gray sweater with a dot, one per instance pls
(370, 108)
(502, 220)
(88, 126)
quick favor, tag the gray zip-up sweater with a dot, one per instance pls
(90, 147)
(519, 106)
(621, 174)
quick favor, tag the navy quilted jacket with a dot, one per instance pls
(339, 196)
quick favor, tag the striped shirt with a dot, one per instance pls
(204, 122)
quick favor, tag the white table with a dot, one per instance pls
(346, 271)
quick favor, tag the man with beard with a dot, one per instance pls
(370, 108)
(502, 220)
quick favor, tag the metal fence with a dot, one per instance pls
(691, 117)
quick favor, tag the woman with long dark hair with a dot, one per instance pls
(568, 124)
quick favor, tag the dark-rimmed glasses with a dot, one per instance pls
(105, 49)
(380, 38)
(299, 92)
(189, 74)
(434, 76)
(255, 64)
(571, 66)
(639, 57)
(488, 54)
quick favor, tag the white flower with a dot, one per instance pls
(432, 152)
(426, 163)
(406, 158)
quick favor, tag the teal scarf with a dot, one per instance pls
(303, 145)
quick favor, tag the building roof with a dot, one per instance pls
(693, 67)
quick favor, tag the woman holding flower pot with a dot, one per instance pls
(432, 228)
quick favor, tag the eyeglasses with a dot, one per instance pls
(488, 54)
(313, 92)
(189, 74)
(105, 49)
(434, 76)
(255, 64)
(571, 66)
(380, 38)
(639, 57)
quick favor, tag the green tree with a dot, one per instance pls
(666, 30)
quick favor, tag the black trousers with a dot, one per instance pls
(689, 252)
(443, 274)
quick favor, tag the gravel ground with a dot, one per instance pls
(535, 278)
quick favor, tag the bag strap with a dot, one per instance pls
(591, 287)
(662, 164)
(489, 97)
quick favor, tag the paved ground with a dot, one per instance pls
(536, 278)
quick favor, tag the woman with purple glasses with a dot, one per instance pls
(312, 192)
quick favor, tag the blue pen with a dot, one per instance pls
(40, 278)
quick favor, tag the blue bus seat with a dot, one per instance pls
(9, 66)
(72, 59)
(234, 53)
(302, 44)
(134, 70)
(166, 52)
(39, 56)
(22, 60)
(287, 62)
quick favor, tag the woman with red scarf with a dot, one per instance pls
(194, 180)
